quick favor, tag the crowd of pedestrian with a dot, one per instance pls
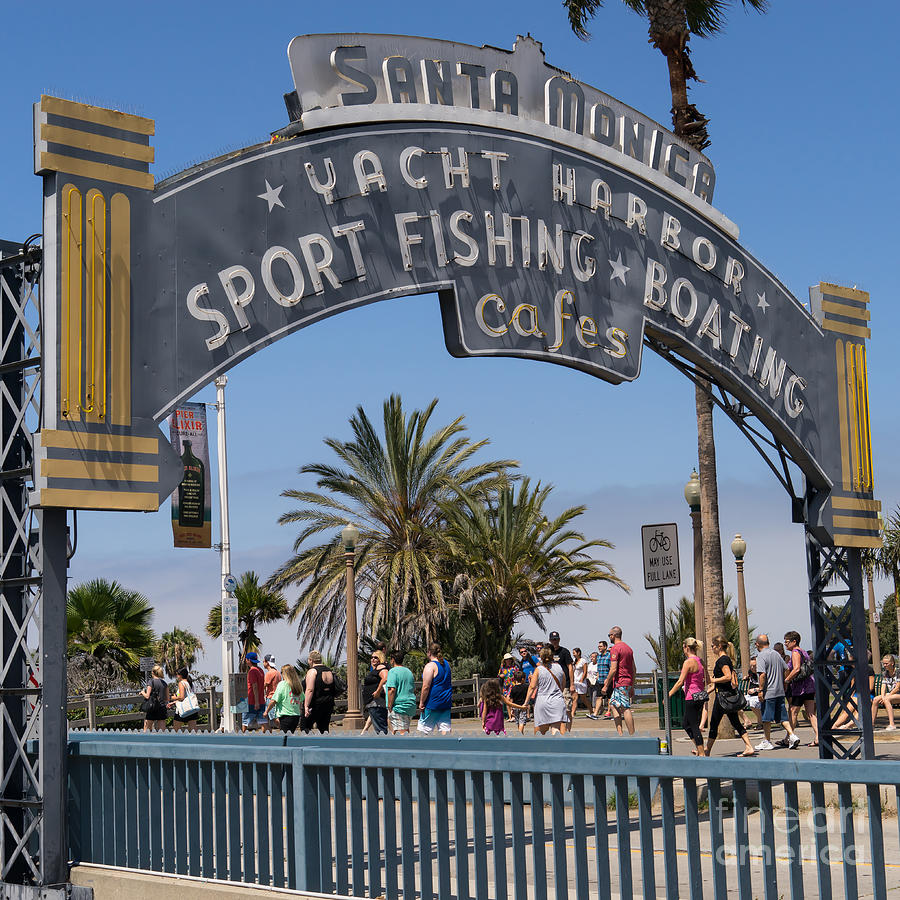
(544, 683)
(548, 683)
(780, 685)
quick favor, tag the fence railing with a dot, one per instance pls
(96, 710)
(479, 818)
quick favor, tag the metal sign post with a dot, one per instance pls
(228, 635)
(662, 569)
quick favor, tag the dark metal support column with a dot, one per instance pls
(15, 817)
(33, 727)
(837, 614)
(860, 632)
(54, 726)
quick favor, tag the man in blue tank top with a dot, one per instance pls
(437, 694)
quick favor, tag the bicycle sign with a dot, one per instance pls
(661, 565)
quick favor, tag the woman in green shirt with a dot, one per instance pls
(287, 700)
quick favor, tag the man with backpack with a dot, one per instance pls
(771, 669)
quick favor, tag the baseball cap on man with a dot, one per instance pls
(554, 635)
(269, 657)
(253, 658)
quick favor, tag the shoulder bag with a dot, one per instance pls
(188, 705)
(731, 699)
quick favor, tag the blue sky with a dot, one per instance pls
(804, 135)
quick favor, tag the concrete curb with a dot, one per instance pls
(110, 883)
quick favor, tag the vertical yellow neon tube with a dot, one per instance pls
(71, 278)
(864, 423)
(120, 309)
(94, 404)
(853, 417)
(843, 426)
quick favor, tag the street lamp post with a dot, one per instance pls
(739, 548)
(353, 718)
(874, 637)
(692, 496)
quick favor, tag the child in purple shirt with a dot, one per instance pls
(491, 707)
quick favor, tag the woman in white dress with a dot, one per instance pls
(546, 687)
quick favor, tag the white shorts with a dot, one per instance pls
(753, 701)
(581, 687)
(433, 718)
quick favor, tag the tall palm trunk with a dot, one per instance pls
(669, 33)
(713, 588)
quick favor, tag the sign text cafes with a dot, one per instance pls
(553, 222)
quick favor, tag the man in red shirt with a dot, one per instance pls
(256, 695)
(621, 679)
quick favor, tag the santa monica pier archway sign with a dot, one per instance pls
(554, 222)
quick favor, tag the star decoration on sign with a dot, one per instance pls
(762, 303)
(272, 196)
(618, 268)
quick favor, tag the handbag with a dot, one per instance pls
(701, 696)
(188, 705)
(732, 701)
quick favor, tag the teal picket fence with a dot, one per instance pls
(477, 818)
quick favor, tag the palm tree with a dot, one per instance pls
(257, 605)
(869, 561)
(178, 649)
(392, 488)
(680, 625)
(887, 558)
(106, 620)
(512, 561)
(671, 24)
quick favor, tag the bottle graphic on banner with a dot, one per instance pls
(191, 491)
(191, 506)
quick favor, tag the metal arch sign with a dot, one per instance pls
(554, 223)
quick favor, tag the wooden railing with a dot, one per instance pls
(96, 708)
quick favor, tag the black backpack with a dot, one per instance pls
(806, 667)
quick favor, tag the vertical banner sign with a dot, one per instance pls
(231, 626)
(191, 506)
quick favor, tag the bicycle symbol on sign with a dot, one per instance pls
(660, 541)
